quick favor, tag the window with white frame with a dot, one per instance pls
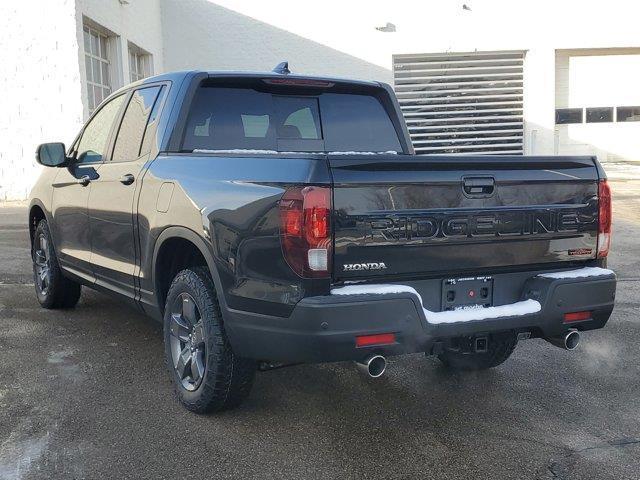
(139, 63)
(97, 59)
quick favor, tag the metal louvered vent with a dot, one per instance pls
(462, 102)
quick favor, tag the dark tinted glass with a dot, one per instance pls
(598, 115)
(357, 123)
(230, 118)
(151, 125)
(629, 114)
(134, 122)
(297, 118)
(568, 115)
(240, 118)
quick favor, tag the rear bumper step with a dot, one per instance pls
(324, 328)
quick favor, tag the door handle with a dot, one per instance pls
(84, 180)
(127, 179)
(478, 186)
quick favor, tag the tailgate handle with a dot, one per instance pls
(478, 186)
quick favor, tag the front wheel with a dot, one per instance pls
(52, 288)
(207, 375)
(500, 347)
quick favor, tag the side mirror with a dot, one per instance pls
(51, 155)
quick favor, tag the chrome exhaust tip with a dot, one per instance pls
(374, 366)
(568, 341)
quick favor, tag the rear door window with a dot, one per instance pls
(134, 123)
(152, 124)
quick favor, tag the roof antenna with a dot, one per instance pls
(282, 68)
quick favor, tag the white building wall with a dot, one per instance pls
(539, 27)
(39, 87)
(335, 37)
(198, 34)
(42, 73)
(138, 21)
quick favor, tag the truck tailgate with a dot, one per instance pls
(397, 215)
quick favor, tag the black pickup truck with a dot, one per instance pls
(271, 219)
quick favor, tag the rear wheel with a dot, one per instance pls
(461, 357)
(52, 288)
(207, 375)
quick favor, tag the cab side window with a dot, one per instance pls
(134, 123)
(93, 144)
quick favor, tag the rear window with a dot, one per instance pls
(224, 118)
(358, 123)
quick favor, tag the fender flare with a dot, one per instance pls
(197, 240)
(36, 202)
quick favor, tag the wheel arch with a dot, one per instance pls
(37, 212)
(182, 238)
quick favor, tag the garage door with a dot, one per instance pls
(598, 104)
(462, 102)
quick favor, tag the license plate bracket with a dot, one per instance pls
(467, 292)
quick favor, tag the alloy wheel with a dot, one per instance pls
(187, 341)
(42, 266)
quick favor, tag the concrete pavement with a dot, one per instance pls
(84, 394)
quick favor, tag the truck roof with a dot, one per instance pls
(180, 75)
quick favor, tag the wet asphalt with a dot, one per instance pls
(84, 394)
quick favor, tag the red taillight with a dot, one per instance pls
(378, 339)
(576, 316)
(305, 230)
(604, 218)
(293, 222)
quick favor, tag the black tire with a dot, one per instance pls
(53, 290)
(499, 348)
(213, 378)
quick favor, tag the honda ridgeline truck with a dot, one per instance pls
(271, 219)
